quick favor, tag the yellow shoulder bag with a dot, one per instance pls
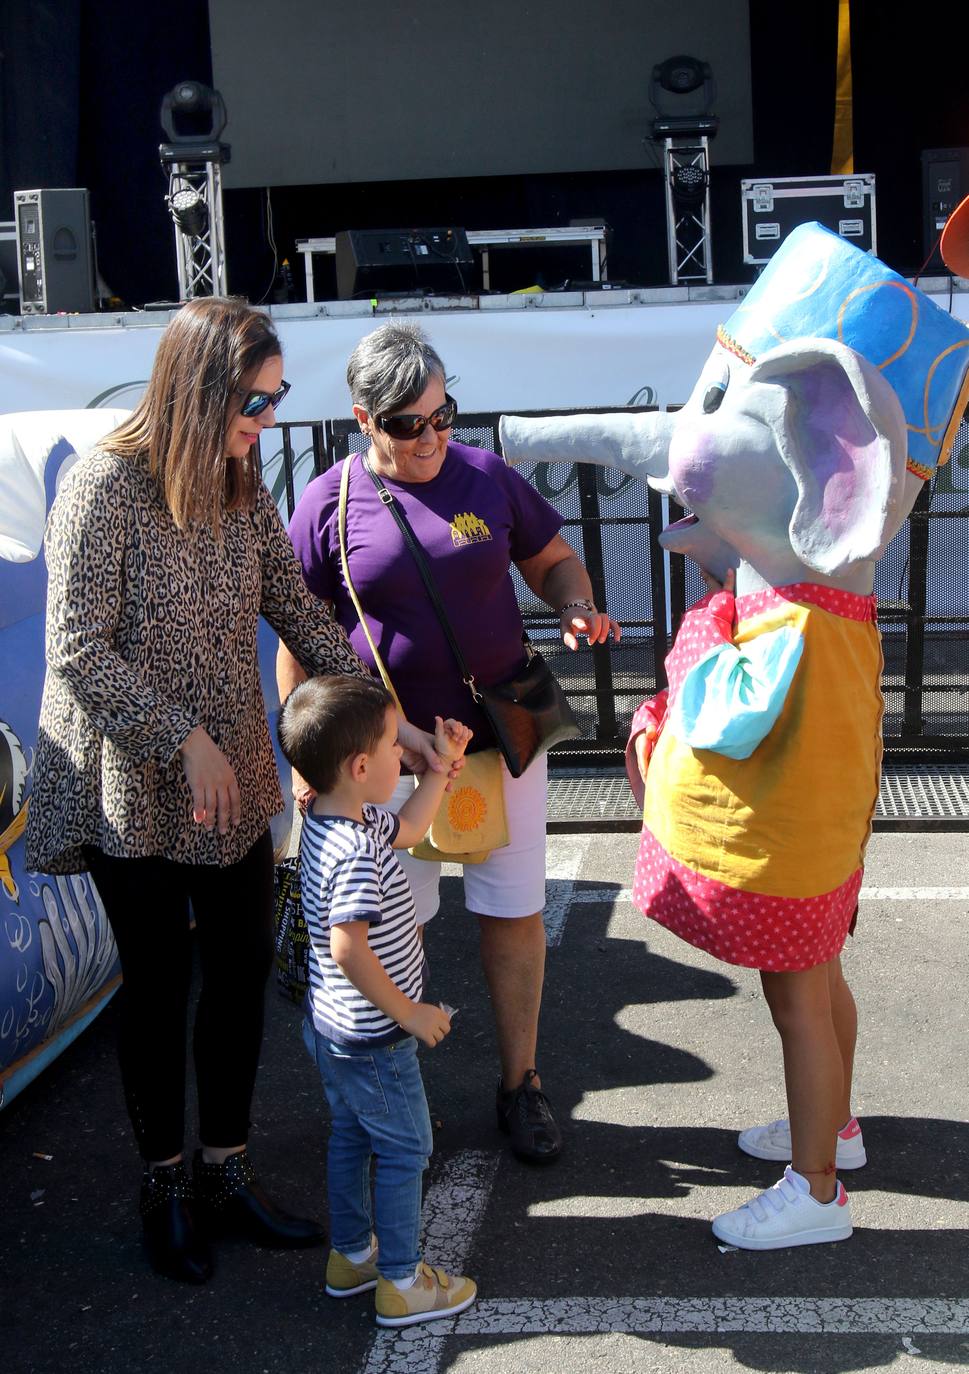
(470, 821)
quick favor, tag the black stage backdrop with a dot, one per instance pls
(495, 90)
(82, 83)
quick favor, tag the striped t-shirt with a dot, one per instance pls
(349, 872)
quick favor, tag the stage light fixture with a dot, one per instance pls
(189, 211)
(682, 92)
(193, 113)
(690, 183)
(193, 116)
(678, 77)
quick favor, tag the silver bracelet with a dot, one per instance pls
(579, 605)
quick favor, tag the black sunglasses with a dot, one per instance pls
(411, 426)
(257, 401)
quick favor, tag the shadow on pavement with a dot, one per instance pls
(624, 1214)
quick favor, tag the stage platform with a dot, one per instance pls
(504, 353)
(608, 295)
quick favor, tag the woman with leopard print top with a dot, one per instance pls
(154, 765)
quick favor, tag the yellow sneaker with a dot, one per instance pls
(432, 1294)
(344, 1278)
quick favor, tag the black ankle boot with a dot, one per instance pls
(232, 1201)
(172, 1239)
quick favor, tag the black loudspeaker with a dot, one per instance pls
(9, 276)
(945, 182)
(54, 251)
(402, 262)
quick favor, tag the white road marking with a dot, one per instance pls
(595, 895)
(564, 867)
(915, 894)
(453, 1209)
(634, 1316)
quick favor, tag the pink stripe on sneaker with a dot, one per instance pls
(842, 1195)
(851, 1130)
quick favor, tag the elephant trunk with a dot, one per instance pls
(635, 444)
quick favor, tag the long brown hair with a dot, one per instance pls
(204, 358)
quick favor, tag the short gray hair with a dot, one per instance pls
(392, 367)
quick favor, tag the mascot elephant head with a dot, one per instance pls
(828, 398)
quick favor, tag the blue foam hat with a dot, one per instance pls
(817, 285)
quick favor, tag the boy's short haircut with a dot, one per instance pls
(327, 720)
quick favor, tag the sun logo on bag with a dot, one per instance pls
(466, 809)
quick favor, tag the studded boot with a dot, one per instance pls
(232, 1202)
(172, 1238)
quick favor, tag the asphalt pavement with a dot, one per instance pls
(654, 1056)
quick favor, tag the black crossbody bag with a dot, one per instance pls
(529, 713)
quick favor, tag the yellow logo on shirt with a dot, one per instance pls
(468, 528)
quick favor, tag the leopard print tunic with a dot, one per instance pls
(151, 630)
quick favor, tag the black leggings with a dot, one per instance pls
(147, 902)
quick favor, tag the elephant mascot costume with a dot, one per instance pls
(831, 395)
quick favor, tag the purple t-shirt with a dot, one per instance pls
(472, 520)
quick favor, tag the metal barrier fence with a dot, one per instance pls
(611, 522)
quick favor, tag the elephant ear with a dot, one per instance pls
(842, 435)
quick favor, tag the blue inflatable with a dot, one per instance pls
(58, 962)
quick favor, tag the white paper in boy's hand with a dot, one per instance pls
(449, 1012)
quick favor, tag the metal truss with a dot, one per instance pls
(200, 255)
(687, 168)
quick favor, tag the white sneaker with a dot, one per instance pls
(786, 1214)
(773, 1141)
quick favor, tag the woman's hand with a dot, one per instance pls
(419, 753)
(303, 794)
(644, 744)
(595, 625)
(556, 575)
(714, 584)
(216, 800)
(644, 748)
(648, 721)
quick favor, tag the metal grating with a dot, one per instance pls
(921, 796)
(928, 792)
(593, 795)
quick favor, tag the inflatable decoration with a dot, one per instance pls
(58, 963)
(832, 393)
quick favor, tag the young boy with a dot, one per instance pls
(367, 978)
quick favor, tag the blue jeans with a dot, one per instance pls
(378, 1108)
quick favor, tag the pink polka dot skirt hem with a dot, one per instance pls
(775, 934)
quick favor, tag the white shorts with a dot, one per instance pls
(511, 881)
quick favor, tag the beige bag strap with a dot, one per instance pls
(345, 563)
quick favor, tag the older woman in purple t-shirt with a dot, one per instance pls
(473, 517)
